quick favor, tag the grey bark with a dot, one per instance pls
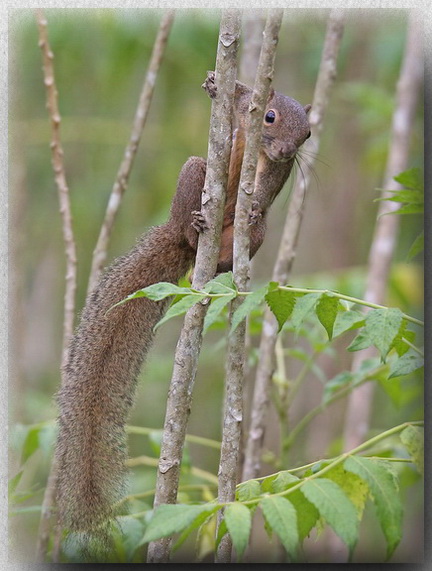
(233, 408)
(287, 248)
(189, 344)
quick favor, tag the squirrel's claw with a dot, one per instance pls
(256, 213)
(199, 222)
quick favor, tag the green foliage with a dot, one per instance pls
(334, 491)
(411, 198)
(384, 328)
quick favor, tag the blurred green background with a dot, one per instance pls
(100, 62)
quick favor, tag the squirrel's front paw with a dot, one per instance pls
(209, 84)
(199, 222)
(256, 214)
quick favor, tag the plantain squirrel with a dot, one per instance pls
(108, 349)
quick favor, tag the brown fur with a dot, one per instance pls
(110, 344)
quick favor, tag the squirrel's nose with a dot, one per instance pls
(286, 150)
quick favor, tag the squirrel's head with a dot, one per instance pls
(285, 127)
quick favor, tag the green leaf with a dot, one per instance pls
(197, 522)
(303, 307)
(307, 514)
(13, 483)
(382, 327)
(239, 522)
(360, 342)
(180, 307)
(282, 482)
(31, 443)
(281, 516)
(406, 364)
(216, 307)
(223, 283)
(416, 247)
(413, 440)
(334, 506)
(327, 310)
(159, 291)
(168, 519)
(385, 495)
(354, 487)
(411, 178)
(340, 380)
(281, 302)
(252, 301)
(248, 490)
(347, 320)
(132, 530)
(399, 342)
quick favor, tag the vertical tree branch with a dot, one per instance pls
(70, 251)
(121, 182)
(386, 229)
(252, 33)
(189, 344)
(233, 409)
(287, 248)
(60, 179)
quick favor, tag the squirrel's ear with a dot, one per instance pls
(307, 108)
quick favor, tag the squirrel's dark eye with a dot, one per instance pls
(270, 116)
(308, 135)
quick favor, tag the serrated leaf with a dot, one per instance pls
(223, 283)
(382, 327)
(327, 310)
(248, 490)
(222, 530)
(411, 178)
(416, 247)
(385, 495)
(239, 522)
(197, 522)
(168, 519)
(159, 291)
(252, 301)
(281, 517)
(406, 364)
(206, 542)
(334, 506)
(132, 530)
(410, 209)
(281, 302)
(399, 342)
(347, 320)
(180, 308)
(13, 483)
(360, 342)
(307, 514)
(282, 482)
(31, 443)
(215, 309)
(413, 440)
(356, 489)
(303, 307)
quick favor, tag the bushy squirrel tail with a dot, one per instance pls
(99, 382)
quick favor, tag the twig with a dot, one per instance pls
(60, 179)
(48, 503)
(386, 229)
(286, 253)
(121, 182)
(189, 344)
(233, 409)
